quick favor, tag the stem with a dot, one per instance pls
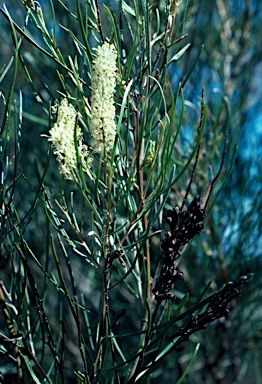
(12, 333)
(101, 327)
(104, 307)
(142, 192)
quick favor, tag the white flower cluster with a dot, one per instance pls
(103, 127)
(62, 139)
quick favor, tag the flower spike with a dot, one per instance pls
(103, 127)
(62, 139)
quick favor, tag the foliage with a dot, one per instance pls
(91, 267)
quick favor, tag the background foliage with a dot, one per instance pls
(223, 57)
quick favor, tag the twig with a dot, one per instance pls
(99, 22)
(217, 175)
(197, 154)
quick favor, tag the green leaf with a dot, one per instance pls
(189, 364)
(179, 54)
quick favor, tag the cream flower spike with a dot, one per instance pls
(103, 127)
(62, 139)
